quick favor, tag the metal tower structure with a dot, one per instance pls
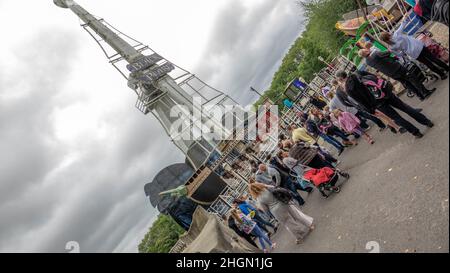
(160, 86)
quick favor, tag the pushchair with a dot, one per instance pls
(314, 177)
(419, 71)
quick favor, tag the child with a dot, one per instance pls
(351, 124)
(247, 225)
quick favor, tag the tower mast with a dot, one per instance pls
(161, 86)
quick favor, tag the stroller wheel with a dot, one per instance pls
(336, 189)
(430, 77)
(410, 94)
(345, 175)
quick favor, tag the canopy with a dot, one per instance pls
(208, 234)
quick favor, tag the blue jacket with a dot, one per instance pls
(246, 208)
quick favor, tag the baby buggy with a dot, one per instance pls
(324, 179)
(419, 71)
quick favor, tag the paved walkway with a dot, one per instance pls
(397, 195)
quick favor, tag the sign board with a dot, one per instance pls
(291, 94)
(144, 63)
(300, 85)
(156, 73)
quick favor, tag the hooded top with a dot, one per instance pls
(360, 94)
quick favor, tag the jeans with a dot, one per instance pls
(335, 131)
(365, 115)
(293, 187)
(262, 237)
(332, 141)
(261, 222)
(394, 102)
(433, 63)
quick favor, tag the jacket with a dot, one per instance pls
(383, 62)
(406, 44)
(246, 208)
(303, 153)
(361, 94)
(270, 177)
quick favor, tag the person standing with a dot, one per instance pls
(380, 119)
(351, 124)
(400, 43)
(249, 226)
(287, 214)
(232, 225)
(386, 104)
(271, 176)
(312, 128)
(301, 135)
(391, 67)
(249, 210)
(339, 100)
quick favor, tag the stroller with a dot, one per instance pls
(314, 177)
(418, 71)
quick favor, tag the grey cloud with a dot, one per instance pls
(98, 215)
(98, 199)
(247, 45)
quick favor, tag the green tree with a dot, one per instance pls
(320, 38)
(162, 236)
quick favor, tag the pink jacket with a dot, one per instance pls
(348, 121)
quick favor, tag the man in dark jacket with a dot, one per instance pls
(359, 92)
(343, 98)
(391, 67)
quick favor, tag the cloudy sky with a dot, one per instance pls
(75, 153)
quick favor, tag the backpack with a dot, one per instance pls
(281, 194)
(378, 87)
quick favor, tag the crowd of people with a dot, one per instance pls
(301, 164)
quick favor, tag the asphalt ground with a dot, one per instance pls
(397, 196)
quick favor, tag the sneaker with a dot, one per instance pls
(430, 124)
(392, 130)
(444, 76)
(402, 130)
(418, 135)
(382, 129)
(367, 129)
(340, 151)
(419, 110)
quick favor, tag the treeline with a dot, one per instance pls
(163, 234)
(320, 38)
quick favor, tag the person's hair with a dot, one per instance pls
(330, 95)
(363, 52)
(238, 200)
(287, 144)
(341, 74)
(280, 154)
(251, 180)
(235, 214)
(334, 82)
(256, 189)
(387, 38)
(336, 112)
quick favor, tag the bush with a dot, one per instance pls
(162, 236)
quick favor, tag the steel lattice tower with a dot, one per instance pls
(160, 85)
